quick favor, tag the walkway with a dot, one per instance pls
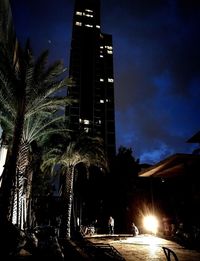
(145, 247)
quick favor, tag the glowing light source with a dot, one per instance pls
(151, 224)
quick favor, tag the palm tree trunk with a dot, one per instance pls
(19, 193)
(67, 195)
(28, 188)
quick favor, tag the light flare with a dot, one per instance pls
(151, 224)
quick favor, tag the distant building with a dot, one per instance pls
(91, 67)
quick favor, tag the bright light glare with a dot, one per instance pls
(151, 224)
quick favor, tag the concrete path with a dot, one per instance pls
(145, 247)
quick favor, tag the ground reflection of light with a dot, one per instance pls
(152, 241)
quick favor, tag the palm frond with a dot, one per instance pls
(49, 104)
(8, 106)
(52, 88)
(45, 128)
(29, 79)
(53, 72)
(40, 66)
(7, 125)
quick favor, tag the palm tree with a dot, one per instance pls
(36, 127)
(28, 90)
(86, 150)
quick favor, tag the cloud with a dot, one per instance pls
(157, 68)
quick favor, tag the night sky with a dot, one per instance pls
(156, 48)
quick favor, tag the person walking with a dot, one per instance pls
(111, 224)
(134, 229)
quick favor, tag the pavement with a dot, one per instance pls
(145, 247)
(121, 247)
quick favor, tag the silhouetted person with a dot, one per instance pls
(111, 224)
(134, 229)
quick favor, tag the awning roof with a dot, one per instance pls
(174, 165)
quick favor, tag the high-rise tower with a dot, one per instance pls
(91, 67)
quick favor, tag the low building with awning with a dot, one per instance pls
(175, 186)
(175, 165)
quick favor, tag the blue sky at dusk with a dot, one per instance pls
(156, 65)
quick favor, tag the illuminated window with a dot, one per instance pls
(78, 23)
(101, 47)
(86, 122)
(107, 100)
(80, 120)
(97, 26)
(101, 56)
(86, 129)
(89, 25)
(78, 13)
(110, 80)
(108, 47)
(101, 101)
(109, 52)
(89, 15)
(99, 121)
(88, 10)
(101, 80)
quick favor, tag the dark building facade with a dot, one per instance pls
(91, 68)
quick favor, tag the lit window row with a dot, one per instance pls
(108, 47)
(88, 10)
(84, 14)
(87, 25)
(103, 101)
(109, 80)
(88, 15)
(86, 122)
